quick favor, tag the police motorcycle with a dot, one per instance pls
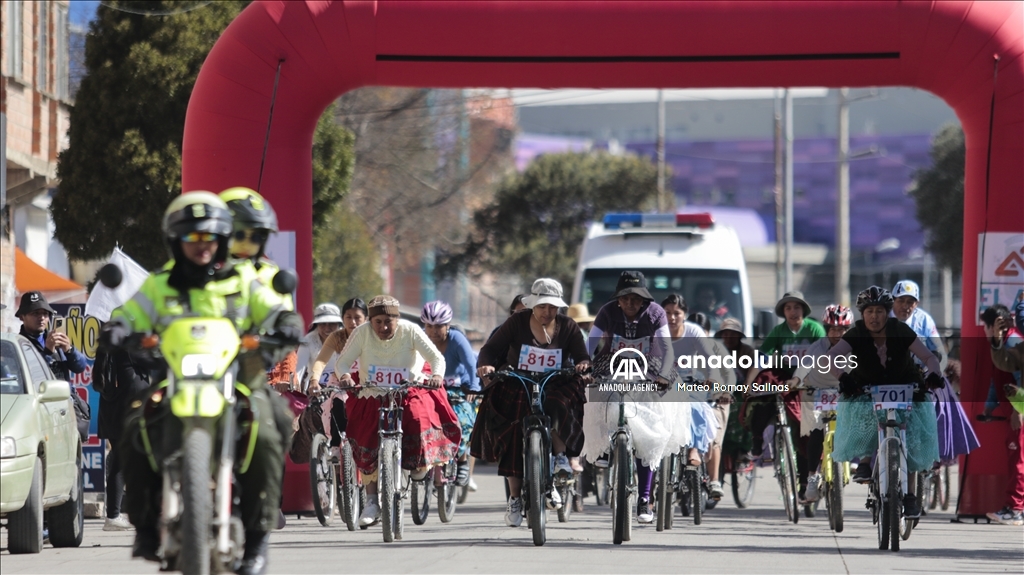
(210, 437)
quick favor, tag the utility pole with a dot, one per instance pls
(788, 189)
(780, 284)
(661, 151)
(842, 253)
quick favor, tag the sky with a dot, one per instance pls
(82, 11)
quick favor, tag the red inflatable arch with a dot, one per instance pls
(324, 49)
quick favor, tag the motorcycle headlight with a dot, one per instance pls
(198, 365)
(8, 448)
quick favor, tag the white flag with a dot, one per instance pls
(104, 300)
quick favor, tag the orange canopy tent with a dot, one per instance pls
(30, 276)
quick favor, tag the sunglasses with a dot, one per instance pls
(256, 236)
(193, 237)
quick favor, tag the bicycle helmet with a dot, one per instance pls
(250, 210)
(197, 212)
(874, 295)
(436, 313)
(906, 287)
(837, 315)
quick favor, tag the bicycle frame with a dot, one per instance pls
(826, 456)
(889, 432)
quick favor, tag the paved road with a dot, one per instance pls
(754, 540)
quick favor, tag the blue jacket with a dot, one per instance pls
(460, 360)
(62, 365)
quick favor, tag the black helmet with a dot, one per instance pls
(874, 295)
(197, 212)
(251, 211)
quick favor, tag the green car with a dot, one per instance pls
(41, 458)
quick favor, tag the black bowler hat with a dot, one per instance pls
(30, 302)
(632, 283)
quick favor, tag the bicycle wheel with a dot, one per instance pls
(568, 494)
(447, 493)
(835, 497)
(693, 487)
(535, 486)
(923, 479)
(421, 500)
(603, 487)
(743, 483)
(621, 512)
(810, 509)
(348, 489)
(943, 488)
(895, 501)
(323, 477)
(464, 494)
(663, 494)
(785, 470)
(390, 492)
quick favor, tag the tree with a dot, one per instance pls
(939, 194)
(537, 221)
(123, 163)
(348, 259)
(333, 157)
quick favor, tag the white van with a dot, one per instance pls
(686, 254)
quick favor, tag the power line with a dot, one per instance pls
(122, 8)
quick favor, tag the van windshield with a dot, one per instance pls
(715, 293)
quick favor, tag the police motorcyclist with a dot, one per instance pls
(201, 281)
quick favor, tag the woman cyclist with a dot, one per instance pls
(498, 437)
(632, 319)
(837, 320)
(884, 348)
(326, 321)
(460, 380)
(353, 314)
(396, 347)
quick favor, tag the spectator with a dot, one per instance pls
(1007, 348)
(707, 303)
(62, 357)
(699, 319)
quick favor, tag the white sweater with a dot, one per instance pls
(408, 349)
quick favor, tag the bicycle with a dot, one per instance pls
(784, 460)
(539, 480)
(889, 481)
(622, 472)
(835, 475)
(694, 491)
(440, 482)
(933, 487)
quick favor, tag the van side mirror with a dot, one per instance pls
(54, 390)
(285, 282)
(110, 275)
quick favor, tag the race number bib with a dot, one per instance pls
(797, 349)
(826, 399)
(453, 382)
(379, 375)
(643, 344)
(892, 396)
(538, 360)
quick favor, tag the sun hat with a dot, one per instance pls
(326, 313)
(545, 291)
(32, 301)
(580, 314)
(796, 296)
(730, 324)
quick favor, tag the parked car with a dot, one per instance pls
(41, 461)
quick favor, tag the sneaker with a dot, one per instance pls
(716, 490)
(643, 511)
(562, 465)
(813, 492)
(462, 474)
(119, 523)
(371, 513)
(577, 467)
(514, 512)
(911, 506)
(863, 474)
(1007, 516)
(472, 485)
(554, 499)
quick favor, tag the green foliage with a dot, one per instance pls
(333, 156)
(537, 221)
(123, 163)
(939, 195)
(349, 264)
